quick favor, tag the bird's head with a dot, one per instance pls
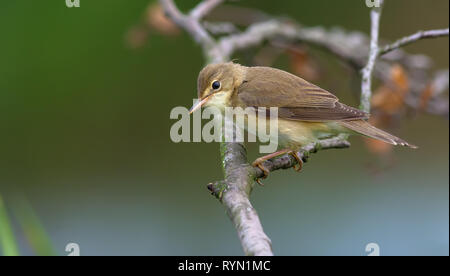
(216, 84)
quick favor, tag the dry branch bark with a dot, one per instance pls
(413, 38)
(366, 84)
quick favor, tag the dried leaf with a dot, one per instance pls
(389, 98)
(136, 37)
(378, 147)
(425, 97)
(400, 78)
(157, 20)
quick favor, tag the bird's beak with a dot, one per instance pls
(199, 104)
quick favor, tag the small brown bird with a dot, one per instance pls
(306, 112)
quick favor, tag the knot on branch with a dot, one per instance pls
(218, 188)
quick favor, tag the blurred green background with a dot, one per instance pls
(84, 124)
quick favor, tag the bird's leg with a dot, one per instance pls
(258, 162)
(299, 160)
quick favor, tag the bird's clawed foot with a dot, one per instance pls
(258, 163)
(299, 166)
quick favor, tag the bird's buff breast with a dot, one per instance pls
(295, 134)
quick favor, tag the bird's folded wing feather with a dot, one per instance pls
(296, 98)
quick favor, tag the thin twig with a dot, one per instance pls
(288, 161)
(366, 85)
(413, 38)
(220, 28)
(188, 23)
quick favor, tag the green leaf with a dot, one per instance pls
(7, 241)
(32, 228)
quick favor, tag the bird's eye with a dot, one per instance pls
(215, 85)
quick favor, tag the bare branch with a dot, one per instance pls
(287, 161)
(366, 85)
(220, 28)
(413, 38)
(188, 23)
(234, 193)
(351, 47)
(255, 35)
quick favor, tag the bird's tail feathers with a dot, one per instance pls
(364, 128)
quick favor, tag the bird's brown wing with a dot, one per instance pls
(296, 98)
